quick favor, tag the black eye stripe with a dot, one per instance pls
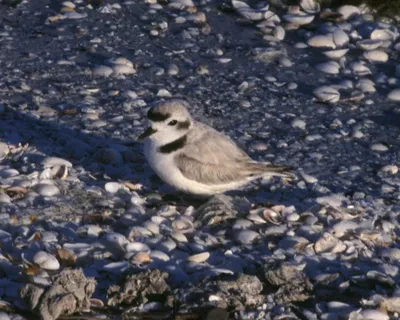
(157, 116)
(183, 125)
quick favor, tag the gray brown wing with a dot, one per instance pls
(212, 158)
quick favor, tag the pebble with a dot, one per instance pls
(390, 168)
(199, 258)
(112, 187)
(298, 123)
(376, 56)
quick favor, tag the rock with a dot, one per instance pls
(292, 284)
(139, 288)
(394, 95)
(69, 293)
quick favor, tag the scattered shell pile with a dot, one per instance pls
(86, 227)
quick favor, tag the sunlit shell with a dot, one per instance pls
(368, 44)
(382, 34)
(359, 68)
(348, 11)
(322, 41)
(327, 94)
(329, 244)
(299, 19)
(66, 257)
(137, 247)
(330, 67)
(182, 225)
(200, 257)
(46, 261)
(140, 258)
(340, 38)
(394, 95)
(249, 13)
(272, 216)
(335, 54)
(310, 6)
(376, 56)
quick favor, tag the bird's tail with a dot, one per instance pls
(268, 169)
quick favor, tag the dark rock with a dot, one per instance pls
(293, 285)
(139, 288)
(69, 293)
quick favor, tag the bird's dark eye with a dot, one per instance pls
(172, 123)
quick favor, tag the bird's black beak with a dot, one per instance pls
(149, 131)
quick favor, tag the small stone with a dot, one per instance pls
(390, 168)
(123, 69)
(164, 93)
(394, 95)
(173, 70)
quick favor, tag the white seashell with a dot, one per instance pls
(379, 147)
(376, 56)
(368, 44)
(47, 190)
(279, 33)
(359, 68)
(249, 13)
(390, 168)
(137, 247)
(50, 162)
(199, 258)
(121, 61)
(394, 95)
(322, 41)
(246, 236)
(152, 227)
(335, 54)
(382, 34)
(329, 244)
(300, 18)
(366, 86)
(102, 71)
(327, 94)
(348, 11)
(116, 267)
(8, 173)
(46, 261)
(112, 187)
(340, 38)
(330, 67)
(179, 237)
(123, 69)
(159, 255)
(182, 225)
(370, 314)
(310, 6)
(4, 150)
(4, 198)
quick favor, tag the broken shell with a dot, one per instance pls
(140, 258)
(200, 257)
(376, 56)
(327, 94)
(300, 18)
(330, 67)
(50, 162)
(310, 6)
(329, 244)
(46, 261)
(340, 38)
(272, 216)
(368, 44)
(66, 257)
(382, 34)
(182, 225)
(335, 54)
(322, 41)
(348, 11)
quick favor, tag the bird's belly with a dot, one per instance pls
(163, 165)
